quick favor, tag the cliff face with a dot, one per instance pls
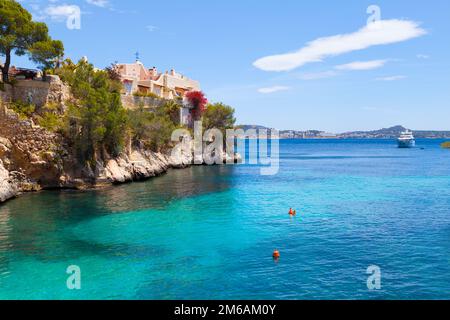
(7, 188)
(32, 158)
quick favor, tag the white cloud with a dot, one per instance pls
(423, 56)
(273, 89)
(381, 32)
(151, 28)
(98, 3)
(318, 75)
(391, 78)
(61, 12)
(362, 65)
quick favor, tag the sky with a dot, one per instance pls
(287, 64)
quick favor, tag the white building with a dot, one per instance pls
(169, 85)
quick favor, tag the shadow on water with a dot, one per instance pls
(32, 221)
(209, 232)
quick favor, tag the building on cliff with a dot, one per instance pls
(169, 85)
(135, 78)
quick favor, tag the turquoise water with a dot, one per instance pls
(209, 232)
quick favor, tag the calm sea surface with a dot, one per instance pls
(209, 232)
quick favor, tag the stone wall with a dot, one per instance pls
(6, 92)
(29, 149)
(37, 92)
(41, 93)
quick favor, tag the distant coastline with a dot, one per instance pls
(385, 133)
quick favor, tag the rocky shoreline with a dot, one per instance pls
(138, 166)
(32, 159)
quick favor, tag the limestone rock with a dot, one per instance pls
(8, 189)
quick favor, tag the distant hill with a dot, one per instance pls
(385, 133)
(394, 132)
(432, 134)
(251, 126)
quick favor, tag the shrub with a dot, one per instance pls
(66, 71)
(198, 101)
(50, 121)
(146, 95)
(172, 109)
(25, 110)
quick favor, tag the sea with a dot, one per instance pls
(373, 222)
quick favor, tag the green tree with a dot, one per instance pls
(46, 54)
(18, 32)
(172, 109)
(220, 116)
(152, 128)
(97, 122)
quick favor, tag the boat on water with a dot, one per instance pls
(406, 140)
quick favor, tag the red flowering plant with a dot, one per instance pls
(197, 102)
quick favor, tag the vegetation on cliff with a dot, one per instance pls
(146, 95)
(153, 130)
(220, 116)
(96, 122)
(49, 118)
(24, 110)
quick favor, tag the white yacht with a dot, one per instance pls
(406, 140)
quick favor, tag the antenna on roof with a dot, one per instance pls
(137, 55)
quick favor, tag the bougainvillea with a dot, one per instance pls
(198, 102)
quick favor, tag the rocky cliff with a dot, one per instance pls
(32, 158)
(7, 188)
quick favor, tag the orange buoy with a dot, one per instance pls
(276, 254)
(291, 213)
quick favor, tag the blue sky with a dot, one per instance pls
(239, 51)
